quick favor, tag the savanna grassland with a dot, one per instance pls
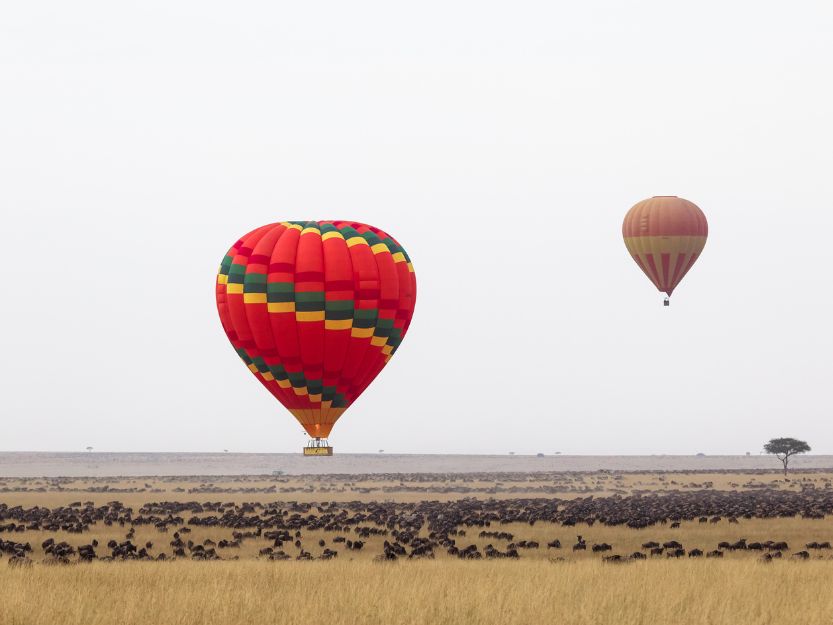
(419, 548)
(437, 592)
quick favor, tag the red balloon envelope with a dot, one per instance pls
(316, 309)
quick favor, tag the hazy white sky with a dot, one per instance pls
(501, 143)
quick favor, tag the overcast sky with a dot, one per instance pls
(501, 143)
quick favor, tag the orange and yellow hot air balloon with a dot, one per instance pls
(665, 235)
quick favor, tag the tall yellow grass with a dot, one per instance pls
(440, 592)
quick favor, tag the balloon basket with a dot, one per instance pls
(318, 451)
(666, 302)
(318, 447)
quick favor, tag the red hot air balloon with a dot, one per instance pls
(316, 309)
(665, 236)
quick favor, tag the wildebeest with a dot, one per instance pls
(434, 521)
(614, 559)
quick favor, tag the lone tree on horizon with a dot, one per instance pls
(784, 448)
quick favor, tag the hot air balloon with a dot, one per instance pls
(316, 309)
(665, 235)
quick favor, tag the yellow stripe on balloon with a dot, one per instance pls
(281, 307)
(254, 298)
(338, 324)
(664, 244)
(314, 315)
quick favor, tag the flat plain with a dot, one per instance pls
(570, 547)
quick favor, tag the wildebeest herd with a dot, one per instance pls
(539, 483)
(467, 528)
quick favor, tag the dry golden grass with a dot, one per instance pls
(453, 593)
(353, 588)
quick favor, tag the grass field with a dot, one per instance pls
(543, 586)
(453, 593)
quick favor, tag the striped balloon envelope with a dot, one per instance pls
(665, 235)
(316, 309)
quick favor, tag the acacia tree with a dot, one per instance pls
(784, 448)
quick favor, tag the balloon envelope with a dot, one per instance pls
(665, 235)
(316, 309)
